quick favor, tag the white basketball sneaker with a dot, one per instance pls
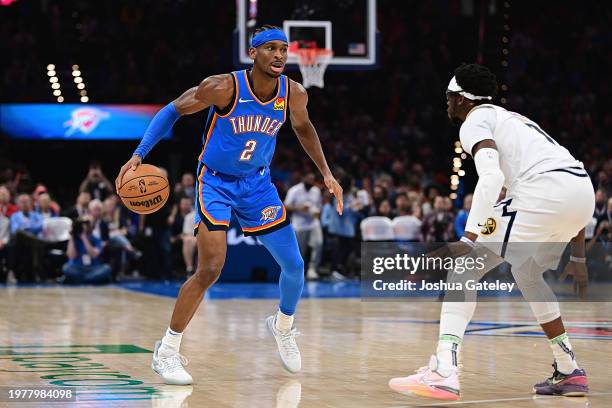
(171, 368)
(287, 347)
(428, 382)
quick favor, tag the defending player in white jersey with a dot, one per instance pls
(549, 200)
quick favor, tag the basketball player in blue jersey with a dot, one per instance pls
(246, 111)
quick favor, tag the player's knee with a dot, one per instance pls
(295, 265)
(208, 272)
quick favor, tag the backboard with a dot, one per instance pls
(348, 27)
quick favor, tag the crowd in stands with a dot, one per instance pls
(97, 240)
(385, 132)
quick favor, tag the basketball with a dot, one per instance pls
(144, 190)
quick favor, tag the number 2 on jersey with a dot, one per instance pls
(249, 148)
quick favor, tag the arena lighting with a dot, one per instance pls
(54, 80)
(80, 83)
(505, 50)
(457, 172)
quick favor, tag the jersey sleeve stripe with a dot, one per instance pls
(210, 130)
(236, 96)
(286, 99)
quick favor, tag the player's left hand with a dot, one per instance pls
(580, 274)
(334, 188)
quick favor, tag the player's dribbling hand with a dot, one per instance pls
(334, 188)
(579, 272)
(134, 162)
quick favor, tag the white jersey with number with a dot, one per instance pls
(524, 148)
(549, 195)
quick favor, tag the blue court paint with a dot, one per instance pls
(250, 290)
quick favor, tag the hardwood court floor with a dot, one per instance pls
(100, 339)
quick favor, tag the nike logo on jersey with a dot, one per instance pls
(244, 100)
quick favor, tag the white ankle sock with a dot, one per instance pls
(283, 322)
(454, 319)
(564, 356)
(171, 342)
(448, 354)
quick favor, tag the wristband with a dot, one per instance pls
(577, 259)
(467, 241)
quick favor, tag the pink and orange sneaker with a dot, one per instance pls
(428, 382)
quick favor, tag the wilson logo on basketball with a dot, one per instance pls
(142, 186)
(279, 104)
(269, 213)
(147, 203)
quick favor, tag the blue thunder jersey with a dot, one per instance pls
(242, 140)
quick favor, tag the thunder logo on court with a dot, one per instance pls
(269, 213)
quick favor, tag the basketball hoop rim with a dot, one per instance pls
(308, 56)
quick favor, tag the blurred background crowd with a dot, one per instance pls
(384, 131)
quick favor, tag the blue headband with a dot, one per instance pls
(268, 35)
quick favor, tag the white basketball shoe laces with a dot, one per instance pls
(171, 368)
(287, 347)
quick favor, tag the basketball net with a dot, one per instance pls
(313, 62)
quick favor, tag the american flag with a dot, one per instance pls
(356, 48)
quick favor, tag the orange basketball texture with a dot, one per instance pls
(144, 190)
